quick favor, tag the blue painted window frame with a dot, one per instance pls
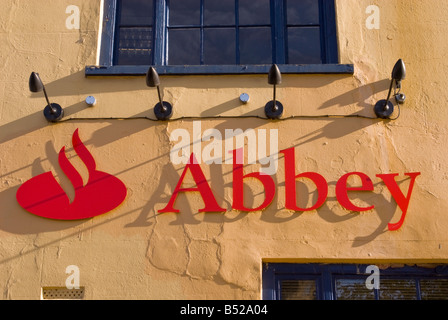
(326, 275)
(106, 58)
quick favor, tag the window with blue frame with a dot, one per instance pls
(348, 282)
(219, 36)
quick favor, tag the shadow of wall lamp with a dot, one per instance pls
(163, 110)
(53, 112)
(274, 109)
(385, 108)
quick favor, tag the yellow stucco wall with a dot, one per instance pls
(133, 252)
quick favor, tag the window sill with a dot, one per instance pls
(220, 69)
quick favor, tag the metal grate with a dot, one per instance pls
(62, 293)
(398, 289)
(434, 289)
(353, 289)
(298, 290)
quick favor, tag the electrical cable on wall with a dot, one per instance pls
(225, 117)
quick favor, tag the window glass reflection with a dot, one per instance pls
(219, 46)
(219, 12)
(255, 46)
(254, 12)
(184, 12)
(303, 12)
(136, 12)
(304, 45)
(184, 47)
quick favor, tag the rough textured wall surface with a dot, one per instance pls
(136, 252)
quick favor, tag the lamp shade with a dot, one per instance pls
(35, 82)
(274, 77)
(152, 78)
(399, 71)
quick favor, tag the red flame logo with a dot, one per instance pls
(44, 197)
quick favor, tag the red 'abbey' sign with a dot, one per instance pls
(43, 196)
(290, 188)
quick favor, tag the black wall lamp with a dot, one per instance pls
(385, 108)
(274, 109)
(53, 112)
(163, 110)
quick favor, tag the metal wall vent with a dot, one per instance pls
(62, 293)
